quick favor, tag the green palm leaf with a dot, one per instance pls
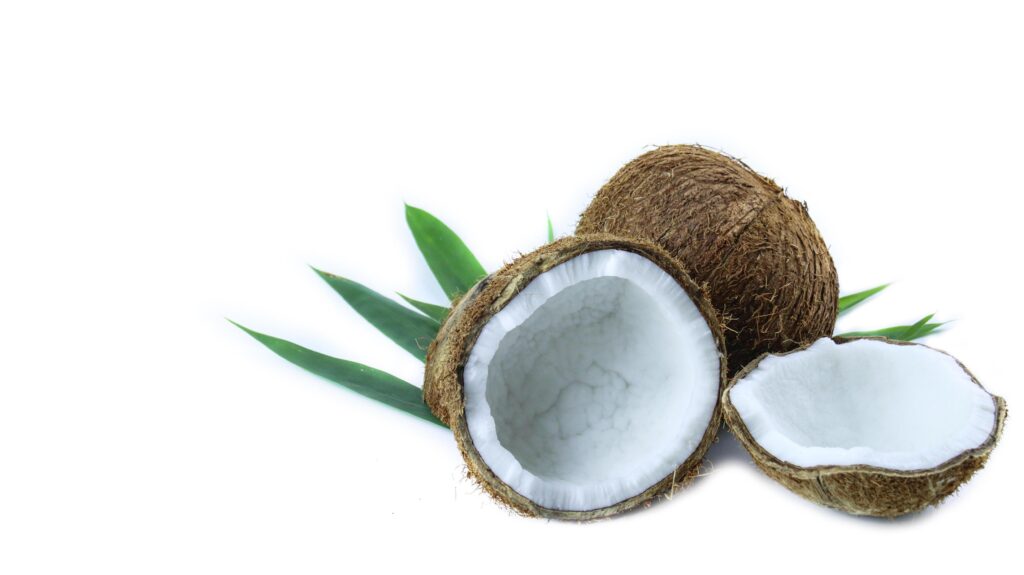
(438, 312)
(923, 327)
(411, 330)
(848, 302)
(454, 266)
(362, 379)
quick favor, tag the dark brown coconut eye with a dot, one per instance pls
(868, 426)
(587, 374)
(768, 271)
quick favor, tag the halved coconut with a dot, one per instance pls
(582, 379)
(868, 425)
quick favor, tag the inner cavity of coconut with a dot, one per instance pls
(901, 407)
(594, 383)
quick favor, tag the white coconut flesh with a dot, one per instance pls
(867, 402)
(594, 383)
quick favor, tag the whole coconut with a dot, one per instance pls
(766, 267)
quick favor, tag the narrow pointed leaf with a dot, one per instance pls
(914, 330)
(362, 379)
(454, 266)
(848, 302)
(551, 231)
(929, 329)
(411, 330)
(438, 312)
(899, 332)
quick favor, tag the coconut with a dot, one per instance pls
(768, 271)
(866, 425)
(582, 379)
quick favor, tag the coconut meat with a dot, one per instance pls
(865, 402)
(593, 383)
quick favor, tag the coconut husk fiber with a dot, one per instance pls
(767, 270)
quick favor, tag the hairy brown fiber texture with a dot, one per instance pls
(447, 355)
(768, 271)
(864, 489)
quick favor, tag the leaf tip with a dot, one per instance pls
(239, 326)
(326, 276)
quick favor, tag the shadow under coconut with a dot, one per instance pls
(726, 448)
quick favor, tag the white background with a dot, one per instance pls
(164, 165)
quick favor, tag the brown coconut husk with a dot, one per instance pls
(865, 489)
(768, 271)
(447, 355)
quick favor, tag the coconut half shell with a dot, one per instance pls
(869, 426)
(768, 271)
(582, 379)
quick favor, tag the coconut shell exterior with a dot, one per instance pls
(864, 489)
(447, 355)
(768, 271)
